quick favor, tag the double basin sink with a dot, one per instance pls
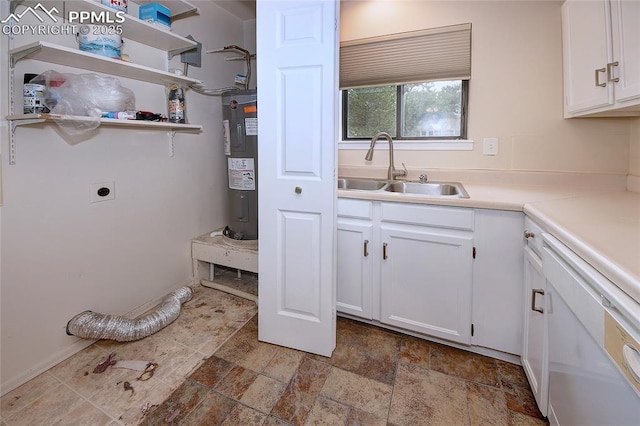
(431, 189)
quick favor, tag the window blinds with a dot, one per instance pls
(427, 55)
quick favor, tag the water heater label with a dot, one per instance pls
(227, 137)
(251, 126)
(241, 174)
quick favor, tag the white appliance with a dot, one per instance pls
(594, 335)
(240, 124)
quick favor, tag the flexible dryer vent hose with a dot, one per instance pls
(92, 325)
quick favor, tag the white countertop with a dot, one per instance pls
(603, 229)
(599, 223)
(482, 196)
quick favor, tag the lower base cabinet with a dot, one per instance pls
(355, 238)
(426, 280)
(534, 340)
(535, 322)
(497, 280)
(414, 267)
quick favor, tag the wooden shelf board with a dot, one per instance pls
(177, 7)
(61, 55)
(132, 27)
(31, 118)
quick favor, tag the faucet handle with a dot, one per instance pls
(404, 172)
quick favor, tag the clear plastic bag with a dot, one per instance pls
(86, 96)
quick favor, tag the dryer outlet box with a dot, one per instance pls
(102, 191)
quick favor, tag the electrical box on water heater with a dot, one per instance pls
(240, 121)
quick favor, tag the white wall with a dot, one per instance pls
(515, 88)
(250, 45)
(4, 67)
(62, 255)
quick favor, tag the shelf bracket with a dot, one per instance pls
(12, 140)
(179, 15)
(171, 135)
(175, 52)
(15, 57)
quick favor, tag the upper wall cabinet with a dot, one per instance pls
(601, 47)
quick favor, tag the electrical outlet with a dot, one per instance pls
(102, 191)
(490, 146)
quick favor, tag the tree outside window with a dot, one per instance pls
(427, 110)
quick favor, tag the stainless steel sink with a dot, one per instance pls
(361, 184)
(430, 189)
(433, 189)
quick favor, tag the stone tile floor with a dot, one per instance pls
(213, 371)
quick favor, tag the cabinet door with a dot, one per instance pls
(534, 342)
(426, 278)
(354, 281)
(625, 20)
(498, 239)
(586, 36)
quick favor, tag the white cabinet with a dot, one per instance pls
(534, 341)
(601, 54)
(497, 280)
(406, 265)
(426, 280)
(355, 261)
(451, 273)
(426, 269)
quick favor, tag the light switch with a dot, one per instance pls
(490, 146)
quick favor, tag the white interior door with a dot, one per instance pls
(297, 47)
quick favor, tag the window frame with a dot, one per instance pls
(464, 119)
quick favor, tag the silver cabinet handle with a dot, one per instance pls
(598, 71)
(529, 234)
(384, 251)
(610, 66)
(366, 248)
(298, 190)
(535, 291)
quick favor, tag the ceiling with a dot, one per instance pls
(243, 9)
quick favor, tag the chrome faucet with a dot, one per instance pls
(392, 173)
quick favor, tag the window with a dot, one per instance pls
(413, 85)
(428, 110)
